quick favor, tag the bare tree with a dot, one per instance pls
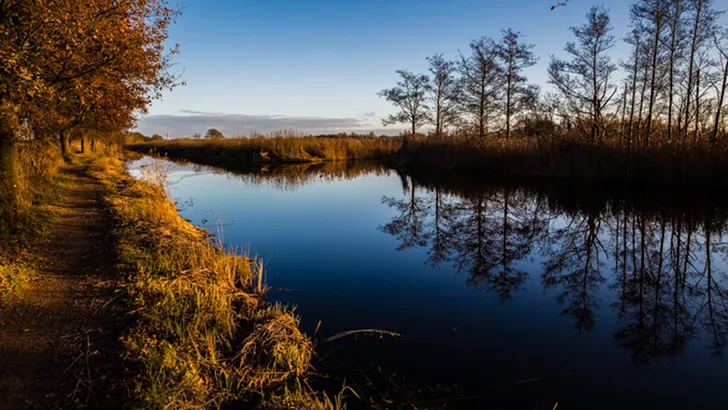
(702, 21)
(584, 80)
(481, 76)
(650, 17)
(514, 56)
(410, 97)
(443, 90)
(721, 43)
(676, 47)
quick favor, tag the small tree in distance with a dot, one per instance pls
(214, 134)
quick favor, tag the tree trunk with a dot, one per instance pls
(642, 103)
(65, 145)
(9, 194)
(697, 105)
(674, 28)
(624, 116)
(634, 95)
(9, 186)
(721, 97)
(509, 91)
(691, 66)
(651, 105)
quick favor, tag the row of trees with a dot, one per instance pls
(470, 91)
(70, 68)
(672, 89)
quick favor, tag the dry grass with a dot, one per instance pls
(204, 337)
(38, 167)
(280, 148)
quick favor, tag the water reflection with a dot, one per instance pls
(665, 265)
(603, 294)
(290, 177)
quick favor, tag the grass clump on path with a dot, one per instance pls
(203, 337)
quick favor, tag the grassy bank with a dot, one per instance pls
(659, 163)
(240, 152)
(38, 167)
(204, 337)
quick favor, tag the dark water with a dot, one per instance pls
(506, 295)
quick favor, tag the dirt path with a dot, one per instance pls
(59, 337)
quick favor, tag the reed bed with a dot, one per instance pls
(659, 163)
(204, 337)
(238, 152)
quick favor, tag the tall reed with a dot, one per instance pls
(659, 163)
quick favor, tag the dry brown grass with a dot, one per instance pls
(38, 166)
(204, 337)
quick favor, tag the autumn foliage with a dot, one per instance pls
(72, 67)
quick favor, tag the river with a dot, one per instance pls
(506, 295)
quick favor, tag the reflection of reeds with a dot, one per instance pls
(292, 176)
(289, 177)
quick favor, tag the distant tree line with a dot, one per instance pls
(671, 90)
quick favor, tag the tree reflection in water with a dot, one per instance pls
(660, 259)
(665, 266)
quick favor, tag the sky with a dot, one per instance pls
(317, 65)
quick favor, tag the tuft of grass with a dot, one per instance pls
(12, 276)
(204, 337)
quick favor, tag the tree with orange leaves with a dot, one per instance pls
(64, 63)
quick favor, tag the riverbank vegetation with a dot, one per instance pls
(74, 78)
(203, 336)
(80, 78)
(661, 118)
(282, 147)
(36, 181)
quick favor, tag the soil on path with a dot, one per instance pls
(59, 336)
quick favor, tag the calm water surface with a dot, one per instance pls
(506, 296)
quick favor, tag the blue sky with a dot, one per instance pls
(317, 65)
